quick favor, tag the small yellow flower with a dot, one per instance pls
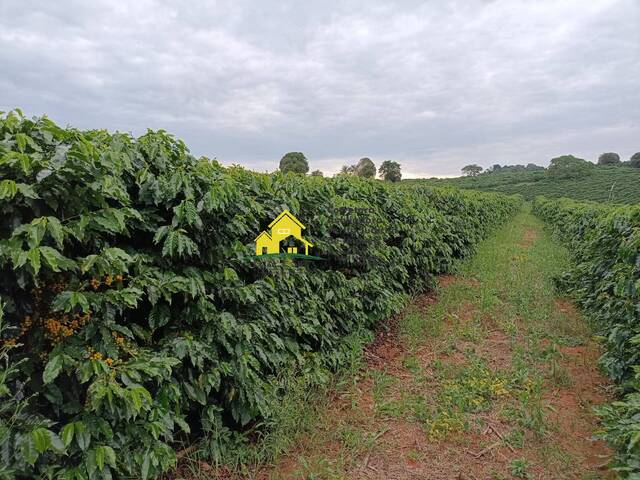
(96, 356)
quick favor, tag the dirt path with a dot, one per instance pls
(492, 377)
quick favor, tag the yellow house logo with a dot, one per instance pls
(285, 238)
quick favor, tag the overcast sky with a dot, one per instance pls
(434, 85)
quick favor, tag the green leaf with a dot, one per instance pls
(160, 234)
(41, 439)
(28, 450)
(36, 230)
(230, 275)
(34, 259)
(179, 243)
(111, 220)
(8, 189)
(18, 258)
(21, 141)
(56, 443)
(83, 437)
(54, 227)
(52, 370)
(67, 434)
(145, 466)
(136, 399)
(100, 457)
(51, 257)
(25, 163)
(85, 372)
(88, 262)
(55, 260)
(182, 424)
(67, 301)
(78, 298)
(90, 462)
(110, 456)
(27, 191)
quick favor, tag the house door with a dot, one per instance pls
(264, 250)
(291, 245)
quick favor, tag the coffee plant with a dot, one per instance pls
(605, 281)
(136, 317)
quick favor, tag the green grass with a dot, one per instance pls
(510, 282)
(613, 184)
(519, 468)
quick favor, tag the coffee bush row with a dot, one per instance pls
(136, 316)
(604, 241)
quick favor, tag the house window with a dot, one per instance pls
(283, 231)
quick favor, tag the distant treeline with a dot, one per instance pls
(607, 158)
(296, 162)
(566, 176)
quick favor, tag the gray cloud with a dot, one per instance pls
(435, 85)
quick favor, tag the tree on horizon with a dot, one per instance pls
(294, 162)
(390, 171)
(472, 170)
(609, 158)
(365, 168)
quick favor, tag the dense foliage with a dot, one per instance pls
(606, 183)
(136, 315)
(348, 170)
(294, 162)
(529, 167)
(605, 281)
(390, 171)
(472, 170)
(365, 168)
(569, 167)
(609, 158)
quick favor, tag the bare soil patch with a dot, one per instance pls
(529, 237)
(446, 280)
(496, 349)
(572, 407)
